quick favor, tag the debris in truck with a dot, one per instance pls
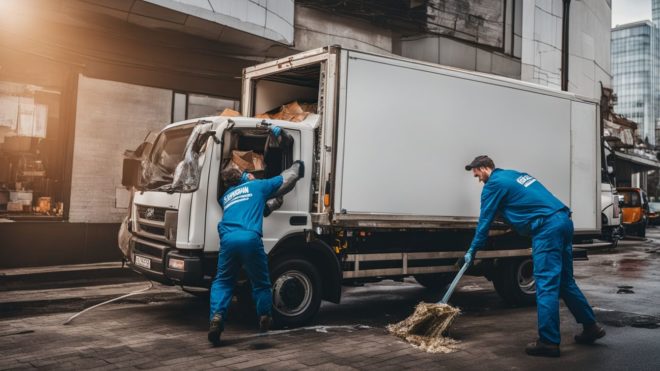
(426, 328)
(294, 111)
(229, 113)
(247, 161)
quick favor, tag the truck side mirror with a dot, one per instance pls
(610, 170)
(130, 176)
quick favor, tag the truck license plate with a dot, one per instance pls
(142, 262)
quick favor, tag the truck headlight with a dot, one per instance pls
(177, 264)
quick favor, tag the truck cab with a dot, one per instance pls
(171, 234)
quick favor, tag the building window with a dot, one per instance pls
(31, 152)
(187, 106)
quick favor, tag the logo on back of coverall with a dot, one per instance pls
(526, 180)
(236, 196)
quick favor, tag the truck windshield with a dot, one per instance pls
(168, 151)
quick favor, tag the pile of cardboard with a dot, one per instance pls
(294, 111)
(246, 161)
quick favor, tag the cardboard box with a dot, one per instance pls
(247, 161)
(229, 113)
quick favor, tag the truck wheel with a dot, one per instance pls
(296, 291)
(514, 282)
(435, 282)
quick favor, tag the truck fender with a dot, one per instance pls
(318, 253)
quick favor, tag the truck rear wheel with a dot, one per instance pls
(514, 281)
(435, 281)
(296, 291)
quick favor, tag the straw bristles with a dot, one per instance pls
(426, 327)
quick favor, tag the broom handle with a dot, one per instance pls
(451, 288)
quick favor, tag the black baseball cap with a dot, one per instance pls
(480, 161)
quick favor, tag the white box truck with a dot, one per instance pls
(385, 193)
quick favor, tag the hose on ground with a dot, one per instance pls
(151, 285)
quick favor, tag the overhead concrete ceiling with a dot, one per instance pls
(145, 14)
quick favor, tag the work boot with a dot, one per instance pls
(215, 329)
(540, 348)
(590, 333)
(264, 323)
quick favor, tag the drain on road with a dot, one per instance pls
(625, 290)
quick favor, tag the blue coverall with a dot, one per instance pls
(532, 210)
(240, 245)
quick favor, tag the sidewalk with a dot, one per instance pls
(56, 289)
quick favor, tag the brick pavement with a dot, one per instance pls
(166, 330)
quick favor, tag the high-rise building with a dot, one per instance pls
(636, 73)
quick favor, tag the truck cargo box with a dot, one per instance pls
(396, 135)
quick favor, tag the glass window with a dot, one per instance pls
(204, 105)
(31, 152)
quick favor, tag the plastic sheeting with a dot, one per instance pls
(187, 172)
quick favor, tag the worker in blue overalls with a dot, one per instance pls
(245, 203)
(533, 211)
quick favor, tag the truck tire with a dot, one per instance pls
(514, 281)
(435, 281)
(296, 291)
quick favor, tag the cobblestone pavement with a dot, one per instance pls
(166, 328)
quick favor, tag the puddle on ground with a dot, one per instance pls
(632, 267)
(623, 319)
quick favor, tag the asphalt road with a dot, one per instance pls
(165, 328)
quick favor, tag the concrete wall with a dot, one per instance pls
(589, 44)
(448, 52)
(589, 47)
(315, 29)
(541, 50)
(111, 117)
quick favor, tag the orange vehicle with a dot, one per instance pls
(635, 210)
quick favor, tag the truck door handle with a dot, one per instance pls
(298, 220)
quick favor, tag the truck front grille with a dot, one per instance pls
(153, 230)
(151, 213)
(151, 222)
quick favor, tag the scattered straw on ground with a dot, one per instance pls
(426, 327)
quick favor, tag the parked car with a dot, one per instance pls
(654, 213)
(635, 210)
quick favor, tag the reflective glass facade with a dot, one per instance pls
(636, 74)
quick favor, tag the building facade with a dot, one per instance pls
(636, 70)
(81, 81)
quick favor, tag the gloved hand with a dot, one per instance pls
(276, 130)
(301, 168)
(468, 258)
(272, 205)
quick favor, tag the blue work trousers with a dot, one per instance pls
(552, 252)
(241, 249)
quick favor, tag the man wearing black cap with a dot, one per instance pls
(533, 211)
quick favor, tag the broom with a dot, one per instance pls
(424, 329)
